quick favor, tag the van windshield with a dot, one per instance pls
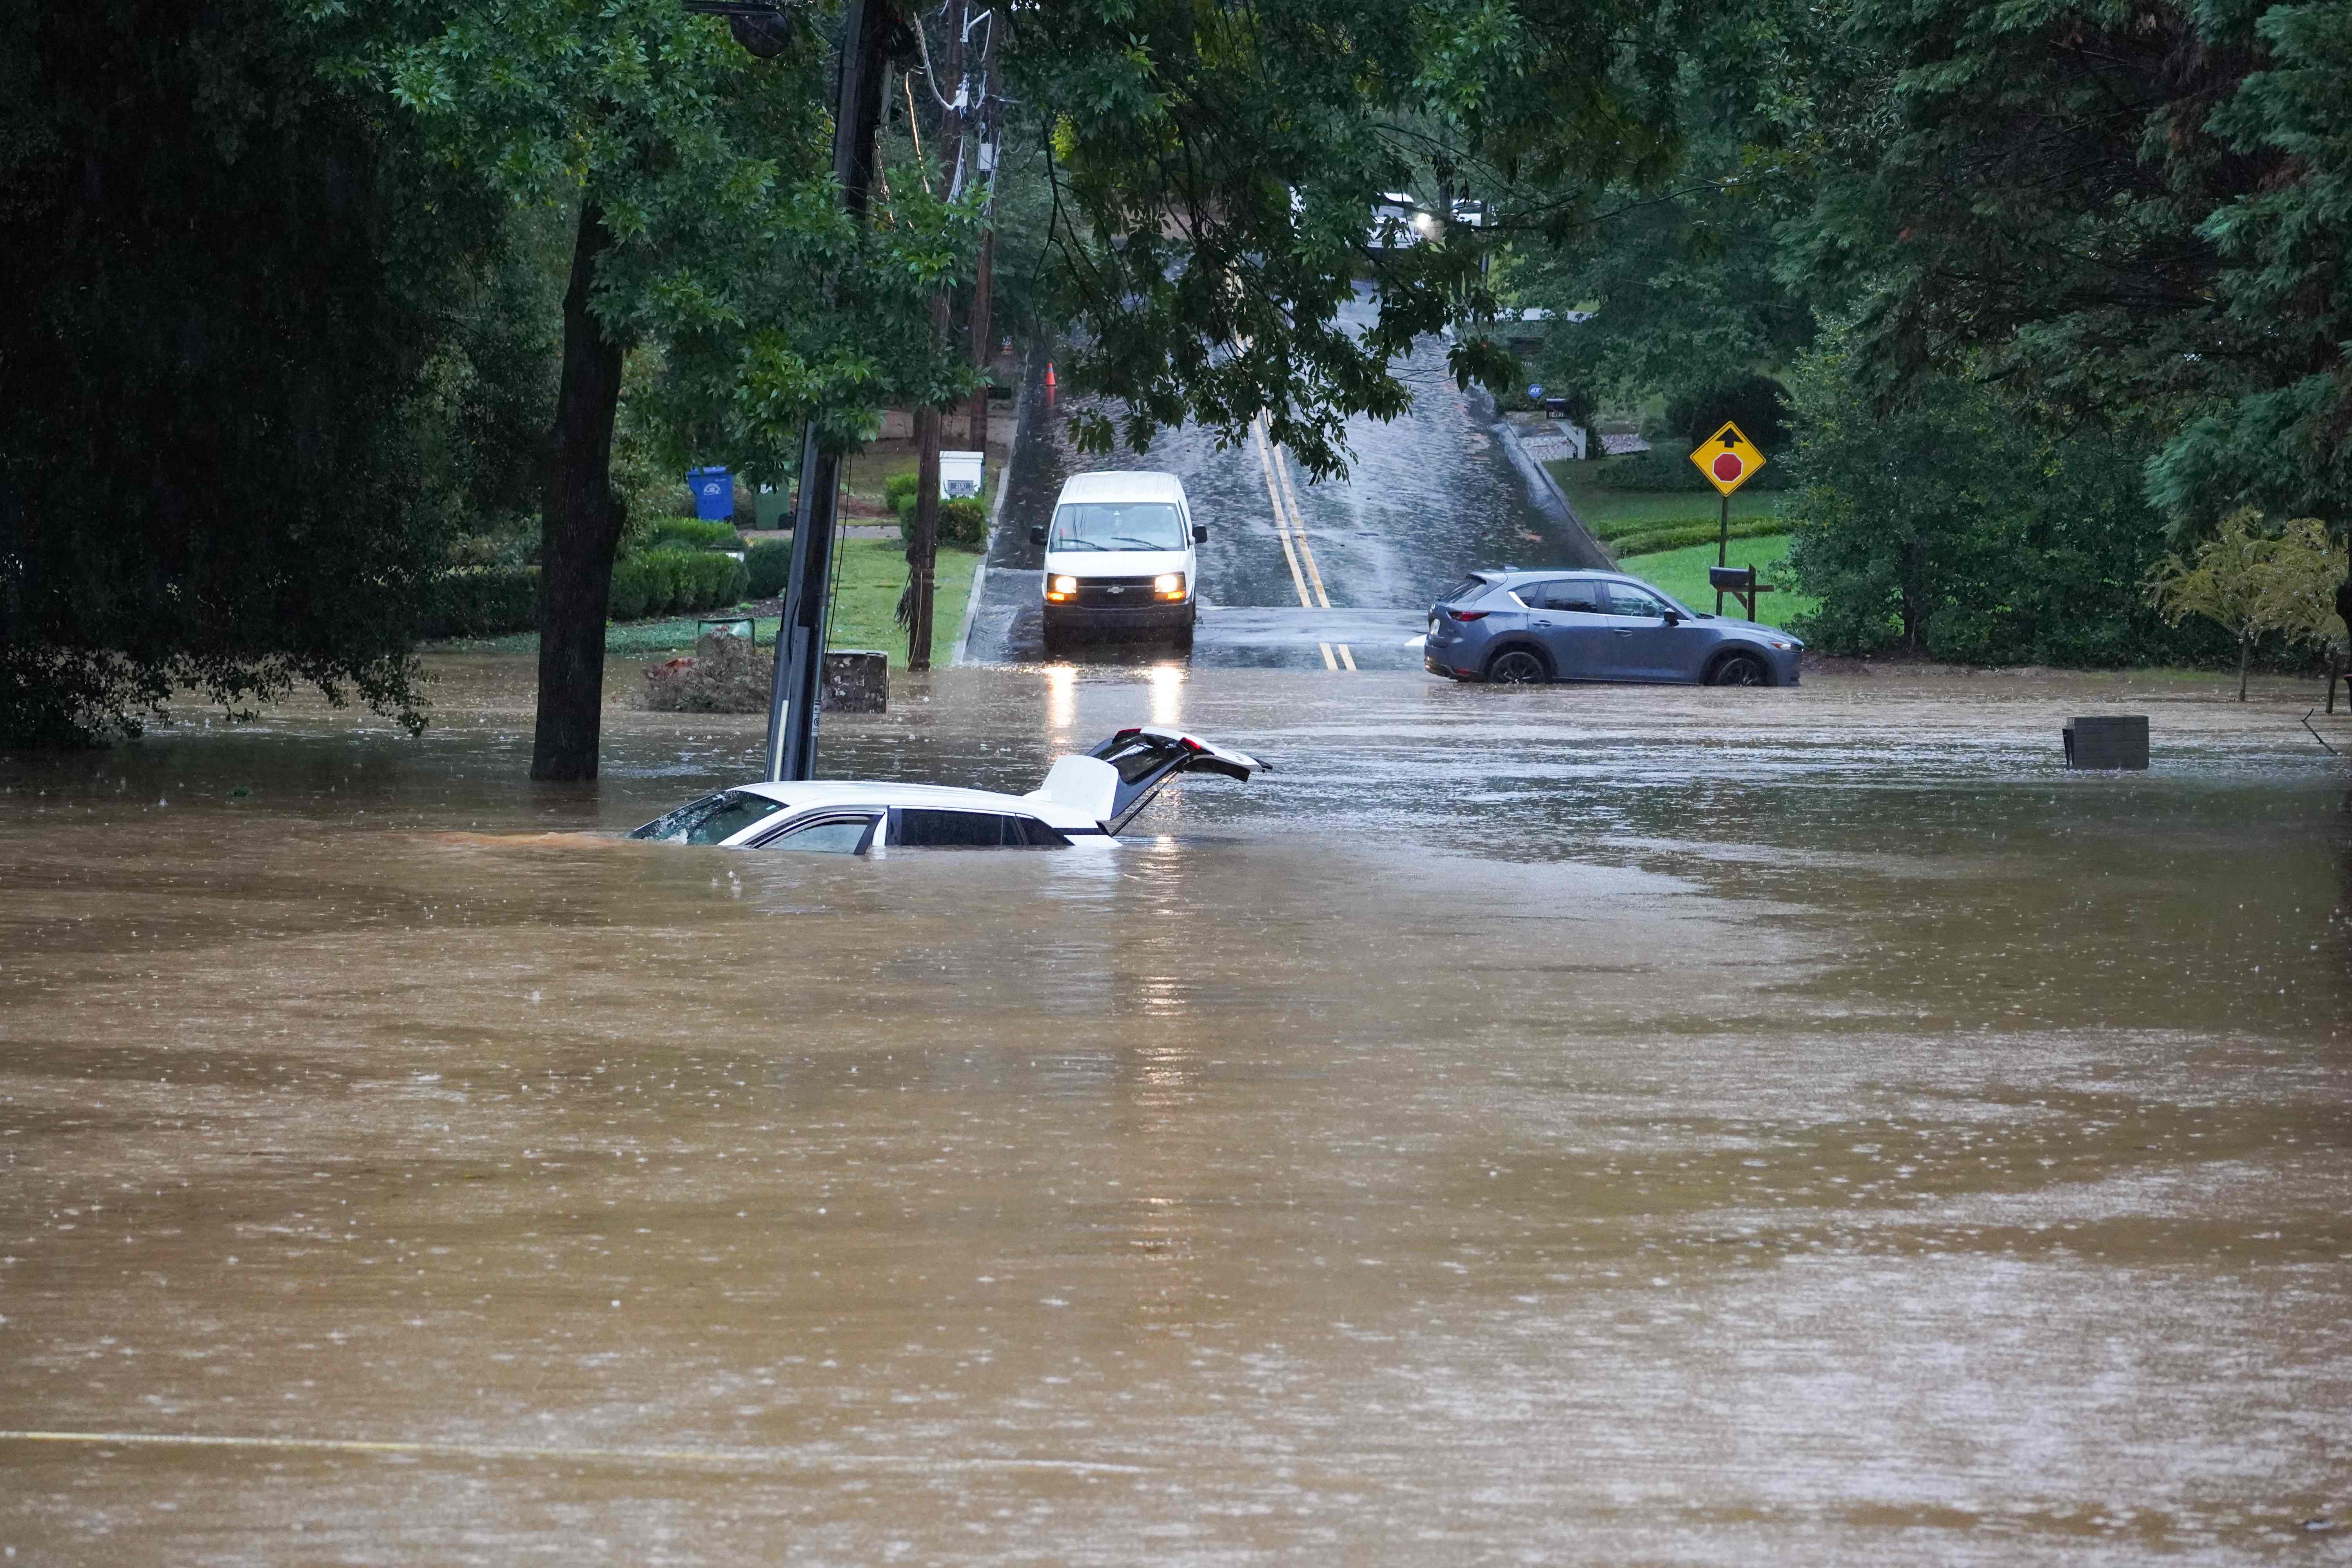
(1117, 525)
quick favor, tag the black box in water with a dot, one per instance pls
(2108, 742)
(856, 680)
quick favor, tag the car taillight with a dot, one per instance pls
(1468, 615)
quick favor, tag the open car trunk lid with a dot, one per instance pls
(1118, 778)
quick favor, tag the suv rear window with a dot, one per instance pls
(1465, 589)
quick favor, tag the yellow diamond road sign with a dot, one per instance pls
(1727, 458)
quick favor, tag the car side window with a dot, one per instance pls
(1565, 593)
(1037, 836)
(1624, 599)
(921, 828)
(826, 836)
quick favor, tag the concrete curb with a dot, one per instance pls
(1519, 456)
(995, 517)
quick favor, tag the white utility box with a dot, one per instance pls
(960, 474)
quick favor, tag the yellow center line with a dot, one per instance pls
(1271, 458)
(1282, 526)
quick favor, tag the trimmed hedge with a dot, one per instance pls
(963, 522)
(1675, 536)
(482, 602)
(767, 566)
(690, 534)
(656, 582)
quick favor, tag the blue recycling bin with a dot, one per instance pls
(714, 493)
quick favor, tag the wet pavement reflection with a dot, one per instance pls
(1569, 1124)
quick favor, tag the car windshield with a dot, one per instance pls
(713, 819)
(1117, 525)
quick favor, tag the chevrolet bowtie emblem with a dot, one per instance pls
(1114, 590)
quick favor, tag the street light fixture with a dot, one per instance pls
(764, 27)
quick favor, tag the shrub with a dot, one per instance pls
(664, 579)
(898, 493)
(963, 524)
(712, 580)
(689, 534)
(1675, 536)
(482, 602)
(632, 588)
(767, 567)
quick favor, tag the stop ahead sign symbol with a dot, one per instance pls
(1728, 466)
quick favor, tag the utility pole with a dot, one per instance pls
(989, 116)
(923, 539)
(799, 642)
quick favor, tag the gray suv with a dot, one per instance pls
(1520, 628)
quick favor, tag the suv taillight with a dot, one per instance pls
(1467, 614)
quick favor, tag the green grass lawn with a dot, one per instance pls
(1610, 513)
(1682, 573)
(870, 573)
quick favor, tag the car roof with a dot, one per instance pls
(1123, 484)
(846, 792)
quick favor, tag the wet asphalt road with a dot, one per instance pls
(1297, 574)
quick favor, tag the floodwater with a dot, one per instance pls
(1565, 1125)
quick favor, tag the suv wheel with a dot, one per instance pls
(1739, 669)
(1518, 667)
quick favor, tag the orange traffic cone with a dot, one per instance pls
(1049, 373)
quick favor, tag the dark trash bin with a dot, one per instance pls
(714, 493)
(2108, 742)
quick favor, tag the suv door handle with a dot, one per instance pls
(1543, 623)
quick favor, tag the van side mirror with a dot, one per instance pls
(1200, 533)
(1037, 533)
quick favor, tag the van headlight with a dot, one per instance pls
(1168, 585)
(1061, 587)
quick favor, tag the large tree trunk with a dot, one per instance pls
(2246, 655)
(580, 528)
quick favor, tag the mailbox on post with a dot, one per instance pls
(1740, 582)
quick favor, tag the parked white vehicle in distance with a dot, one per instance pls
(1119, 557)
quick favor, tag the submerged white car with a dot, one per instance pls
(1092, 796)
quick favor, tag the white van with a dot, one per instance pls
(1118, 556)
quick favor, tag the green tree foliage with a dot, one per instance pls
(1215, 170)
(2124, 208)
(206, 473)
(1757, 404)
(705, 222)
(1962, 522)
(2251, 581)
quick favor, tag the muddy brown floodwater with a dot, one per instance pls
(1570, 1125)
